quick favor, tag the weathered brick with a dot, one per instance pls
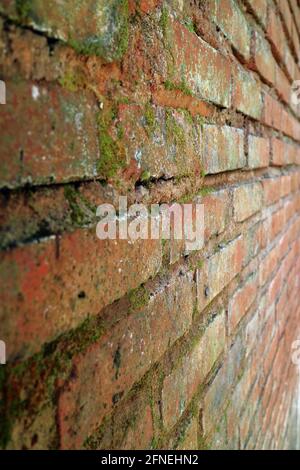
(202, 68)
(283, 85)
(216, 212)
(275, 33)
(91, 27)
(190, 438)
(228, 16)
(272, 188)
(278, 152)
(259, 7)
(218, 392)
(286, 13)
(222, 148)
(241, 301)
(247, 93)
(264, 60)
(218, 270)
(180, 386)
(247, 200)
(125, 354)
(196, 356)
(44, 282)
(267, 266)
(258, 152)
(68, 120)
(130, 427)
(273, 113)
(163, 142)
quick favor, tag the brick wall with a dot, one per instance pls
(128, 346)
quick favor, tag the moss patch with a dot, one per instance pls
(182, 86)
(114, 42)
(24, 9)
(150, 119)
(82, 212)
(112, 153)
(164, 20)
(174, 131)
(71, 81)
(189, 24)
(205, 191)
(138, 298)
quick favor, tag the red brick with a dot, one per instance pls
(130, 427)
(70, 150)
(163, 148)
(204, 69)
(222, 148)
(272, 113)
(228, 16)
(147, 6)
(259, 8)
(283, 85)
(219, 269)
(43, 284)
(265, 63)
(272, 190)
(246, 93)
(258, 152)
(218, 393)
(241, 301)
(216, 212)
(108, 369)
(267, 266)
(180, 386)
(247, 201)
(79, 26)
(286, 13)
(278, 152)
(275, 33)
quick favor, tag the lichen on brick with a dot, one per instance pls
(91, 27)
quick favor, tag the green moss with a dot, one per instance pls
(123, 36)
(186, 198)
(120, 132)
(188, 117)
(164, 20)
(138, 298)
(182, 86)
(155, 443)
(112, 156)
(190, 25)
(70, 81)
(109, 162)
(150, 119)
(27, 387)
(24, 8)
(174, 131)
(199, 264)
(145, 176)
(113, 44)
(205, 191)
(82, 212)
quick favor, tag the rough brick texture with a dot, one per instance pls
(122, 345)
